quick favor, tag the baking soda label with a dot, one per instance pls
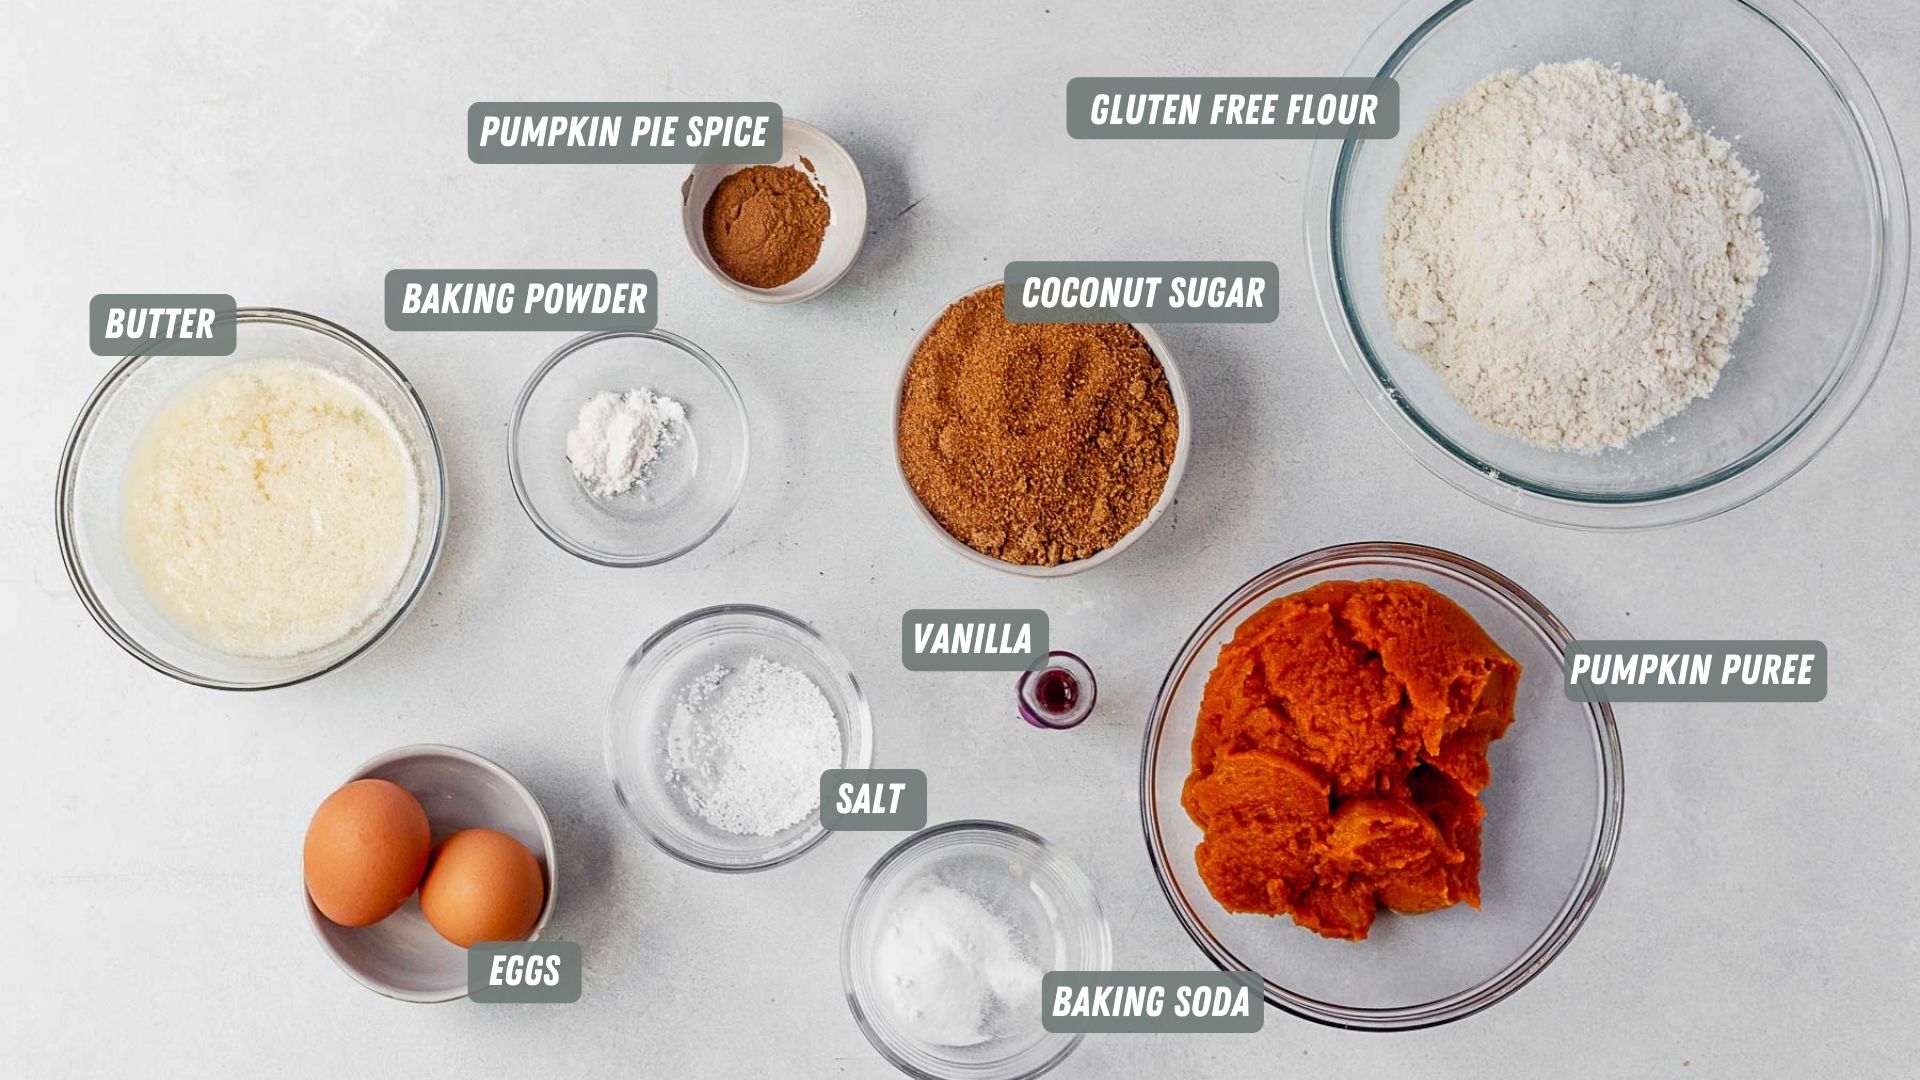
(1696, 671)
(1233, 108)
(522, 300)
(501, 972)
(1210, 291)
(873, 800)
(161, 324)
(973, 639)
(1151, 1001)
(624, 132)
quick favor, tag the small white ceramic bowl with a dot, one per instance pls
(839, 180)
(1176, 385)
(402, 956)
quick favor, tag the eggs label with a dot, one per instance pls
(1108, 1001)
(873, 800)
(523, 971)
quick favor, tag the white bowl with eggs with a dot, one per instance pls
(402, 956)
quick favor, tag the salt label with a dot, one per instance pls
(873, 800)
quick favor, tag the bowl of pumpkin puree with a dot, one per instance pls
(1362, 782)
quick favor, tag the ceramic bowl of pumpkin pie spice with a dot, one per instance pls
(1040, 450)
(779, 233)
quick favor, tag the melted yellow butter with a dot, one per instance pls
(270, 508)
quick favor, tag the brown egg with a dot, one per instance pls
(366, 849)
(483, 886)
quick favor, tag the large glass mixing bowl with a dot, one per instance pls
(1762, 73)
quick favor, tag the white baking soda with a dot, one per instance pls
(950, 970)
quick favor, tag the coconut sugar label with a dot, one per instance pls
(1206, 291)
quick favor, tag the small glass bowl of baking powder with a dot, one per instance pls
(685, 662)
(1763, 74)
(687, 492)
(1008, 886)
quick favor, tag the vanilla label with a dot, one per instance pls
(624, 132)
(522, 300)
(1696, 671)
(1149, 292)
(1233, 108)
(161, 324)
(1151, 1001)
(973, 639)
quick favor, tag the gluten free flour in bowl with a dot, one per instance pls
(1571, 254)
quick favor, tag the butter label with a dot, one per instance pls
(1233, 108)
(161, 324)
(1151, 1001)
(1147, 292)
(624, 132)
(1696, 671)
(973, 639)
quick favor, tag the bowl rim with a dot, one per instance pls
(910, 845)
(89, 415)
(515, 473)
(318, 923)
(1770, 464)
(860, 721)
(1573, 911)
(1182, 449)
(692, 221)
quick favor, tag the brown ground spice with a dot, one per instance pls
(764, 225)
(1036, 444)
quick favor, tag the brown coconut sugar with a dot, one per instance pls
(764, 224)
(1036, 444)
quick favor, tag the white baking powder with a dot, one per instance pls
(746, 747)
(1571, 254)
(617, 437)
(951, 971)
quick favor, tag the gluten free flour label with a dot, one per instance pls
(1233, 108)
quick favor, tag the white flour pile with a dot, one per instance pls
(1571, 254)
(953, 971)
(618, 436)
(747, 747)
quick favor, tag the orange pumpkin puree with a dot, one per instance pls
(1340, 752)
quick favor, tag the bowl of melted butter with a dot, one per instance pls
(253, 520)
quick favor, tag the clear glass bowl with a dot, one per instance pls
(694, 483)
(1183, 443)
(643, 707)
(1045, 898)
(1553, 820)
(94, 463)
(1762, 73)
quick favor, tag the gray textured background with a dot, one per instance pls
(1757, 922)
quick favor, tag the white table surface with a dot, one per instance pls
(1757, 919)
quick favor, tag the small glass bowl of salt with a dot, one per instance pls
(947, 939)
(628, 447)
